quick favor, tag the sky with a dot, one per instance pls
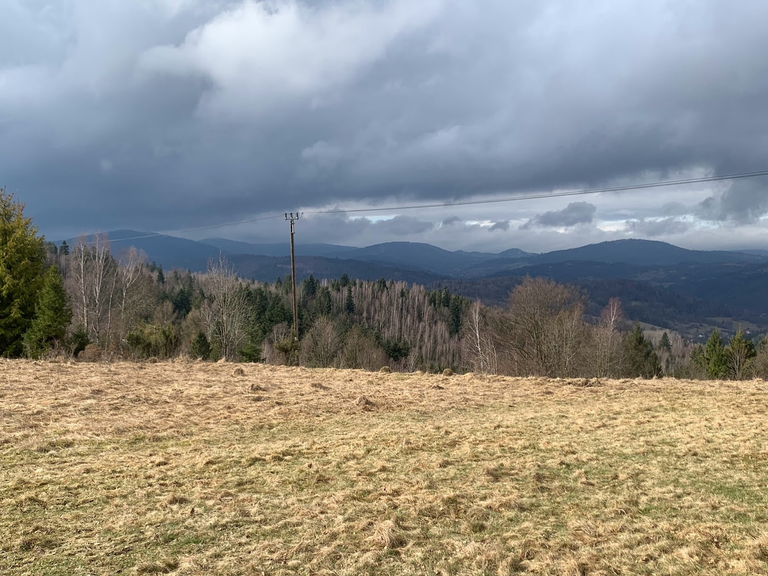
(173, 115)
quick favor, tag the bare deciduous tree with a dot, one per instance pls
(131, 267)
(225, 308)
(320, 347)
(93, 285)
(607, 341)
(543, 328)
(482, 350)
(362, 352)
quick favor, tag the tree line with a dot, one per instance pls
(91, 302)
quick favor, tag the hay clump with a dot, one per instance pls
(364, 404)
(389, 535)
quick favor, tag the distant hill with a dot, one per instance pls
(278, 249)
(169, 251)
(268, 269)
(420, 256)
(763, 253)
(643, 253)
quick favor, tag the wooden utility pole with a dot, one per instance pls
(291, 217)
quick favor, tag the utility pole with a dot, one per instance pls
(291, 217)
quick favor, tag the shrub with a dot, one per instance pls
(158, 340)
(201, 347)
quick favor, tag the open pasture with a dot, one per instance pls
(198, 469)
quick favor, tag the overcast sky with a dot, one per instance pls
(166, 115)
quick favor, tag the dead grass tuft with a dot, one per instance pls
(175, 499)
(163, 567)
(364, 404)
(389, 535)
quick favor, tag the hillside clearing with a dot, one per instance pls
(193, 469)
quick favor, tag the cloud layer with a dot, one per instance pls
(171, 114)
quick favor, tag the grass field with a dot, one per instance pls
(191, 468)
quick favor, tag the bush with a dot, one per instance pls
(201, 347)
(158, 340)
(78, 341)
(91, 353)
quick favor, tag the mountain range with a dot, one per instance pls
(664, 285)
(260, 261)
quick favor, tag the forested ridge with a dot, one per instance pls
(91, 302)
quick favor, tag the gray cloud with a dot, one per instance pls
(501, 225)
(170, 114)
(575, 213)
(675, 209)
(655, 228)
(743, 202)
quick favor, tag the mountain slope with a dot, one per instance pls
(279, 249)
(643, 253)
(268, 269)
(168, 251)
(419, 256)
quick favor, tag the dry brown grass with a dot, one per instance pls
(190, 468)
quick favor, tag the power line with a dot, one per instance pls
(518, 198)
(543, 195)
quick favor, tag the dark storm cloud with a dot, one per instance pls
(573, 214)
(655, 228)
(167, 114)
(502, 225)
(743, 202)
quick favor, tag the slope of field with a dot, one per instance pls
(191, 468)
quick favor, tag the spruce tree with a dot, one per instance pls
(201, 347)
(22, 261)
(715, 356)
(740, 354)
(350, 303)
(665, 344)
(52, 316)
(640, 356)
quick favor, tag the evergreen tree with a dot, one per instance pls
(64, 248)
(201, 347)
(640, 356)
(310, 286)
(740, 353)
(454, 317)
(349, 306)
(78, 341)
(52, 316)
(324, 304)
(715, 357)
(665, 344)
(22, 260)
